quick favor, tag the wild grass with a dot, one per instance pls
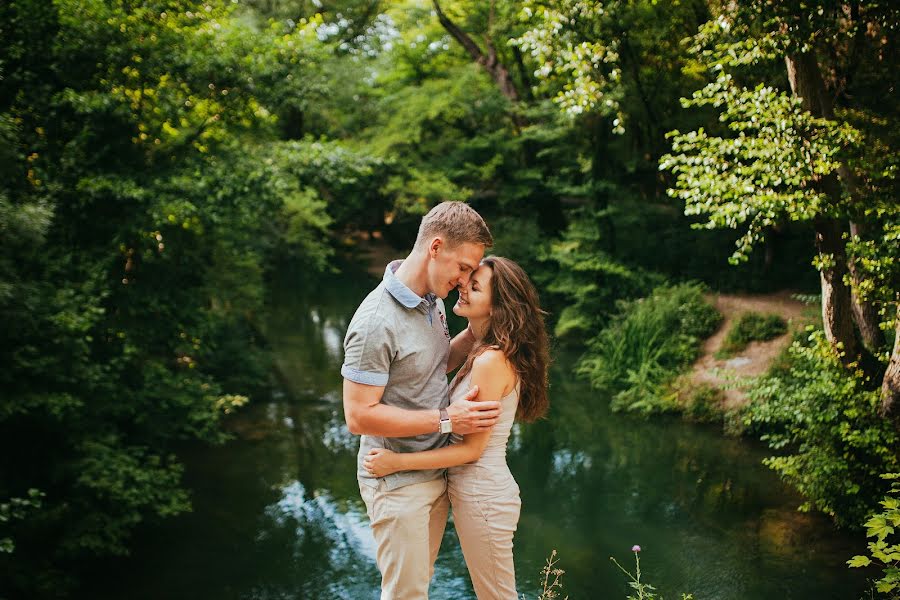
(647, 344)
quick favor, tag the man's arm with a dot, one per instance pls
(491, 374)
(459, 349)
(366, 415)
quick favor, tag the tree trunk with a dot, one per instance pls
(837, 318)
(890, 386)
(864, 314)
(807, 84)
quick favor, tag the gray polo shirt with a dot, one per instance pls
(400, 340)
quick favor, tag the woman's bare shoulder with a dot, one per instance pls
(494, 363)
(490, 357)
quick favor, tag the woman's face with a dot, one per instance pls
(475, 298)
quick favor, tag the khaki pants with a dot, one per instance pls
(486, 528)
(408, 524)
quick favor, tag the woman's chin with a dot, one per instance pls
(458, 311)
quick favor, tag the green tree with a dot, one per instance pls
(779, 156)
(141, 202)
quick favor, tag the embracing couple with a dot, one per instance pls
(427, 445)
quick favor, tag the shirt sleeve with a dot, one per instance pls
(368, 351)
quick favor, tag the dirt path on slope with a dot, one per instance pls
(756, 358)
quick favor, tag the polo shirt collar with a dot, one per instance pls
(400, 292)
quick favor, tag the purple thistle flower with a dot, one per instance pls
(635, 548)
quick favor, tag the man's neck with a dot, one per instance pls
(413, 273)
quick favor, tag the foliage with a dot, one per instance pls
(618, 59)
(822, 420)
(751, 327)
(142, 200)
(619, 66)
(877, 260)
(702, 403)
(882, 527)
(159, 159)
(762, 174)
(552, 584)
(646, 344)
(17, 509)
(349, 185)
(822, 154)
(588, 279)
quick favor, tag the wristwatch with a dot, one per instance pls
(446, 423)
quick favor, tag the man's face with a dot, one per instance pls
(452, 267)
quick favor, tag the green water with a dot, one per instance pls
(277, 512)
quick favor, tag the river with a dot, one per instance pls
(277, 512)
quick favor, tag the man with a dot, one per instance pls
(397, 352)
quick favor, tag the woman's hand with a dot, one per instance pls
(381, 461)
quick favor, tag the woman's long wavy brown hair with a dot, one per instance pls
(516, 327)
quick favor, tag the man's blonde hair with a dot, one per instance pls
(457, 223)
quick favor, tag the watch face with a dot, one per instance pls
(446, 426)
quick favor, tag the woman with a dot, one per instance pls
(508, 362)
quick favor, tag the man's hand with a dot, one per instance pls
(473, 417)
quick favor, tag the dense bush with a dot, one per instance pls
(751, 327)
(823, 420)
(649, 342)
(586, 281)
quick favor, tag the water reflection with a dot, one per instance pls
(324, 542)
(278, 515)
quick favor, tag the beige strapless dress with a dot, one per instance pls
(485, 502)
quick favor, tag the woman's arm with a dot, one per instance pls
(493, 375)
(459, 349)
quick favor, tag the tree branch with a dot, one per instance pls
(499, 73)
(458, 34)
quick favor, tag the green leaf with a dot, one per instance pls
(859, 561)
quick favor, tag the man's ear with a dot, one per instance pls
(436, 244)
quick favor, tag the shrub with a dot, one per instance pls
(646, 344)
(703, 404)
(585, 283)
(823, 419)
(751, 327)
(885, 548)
